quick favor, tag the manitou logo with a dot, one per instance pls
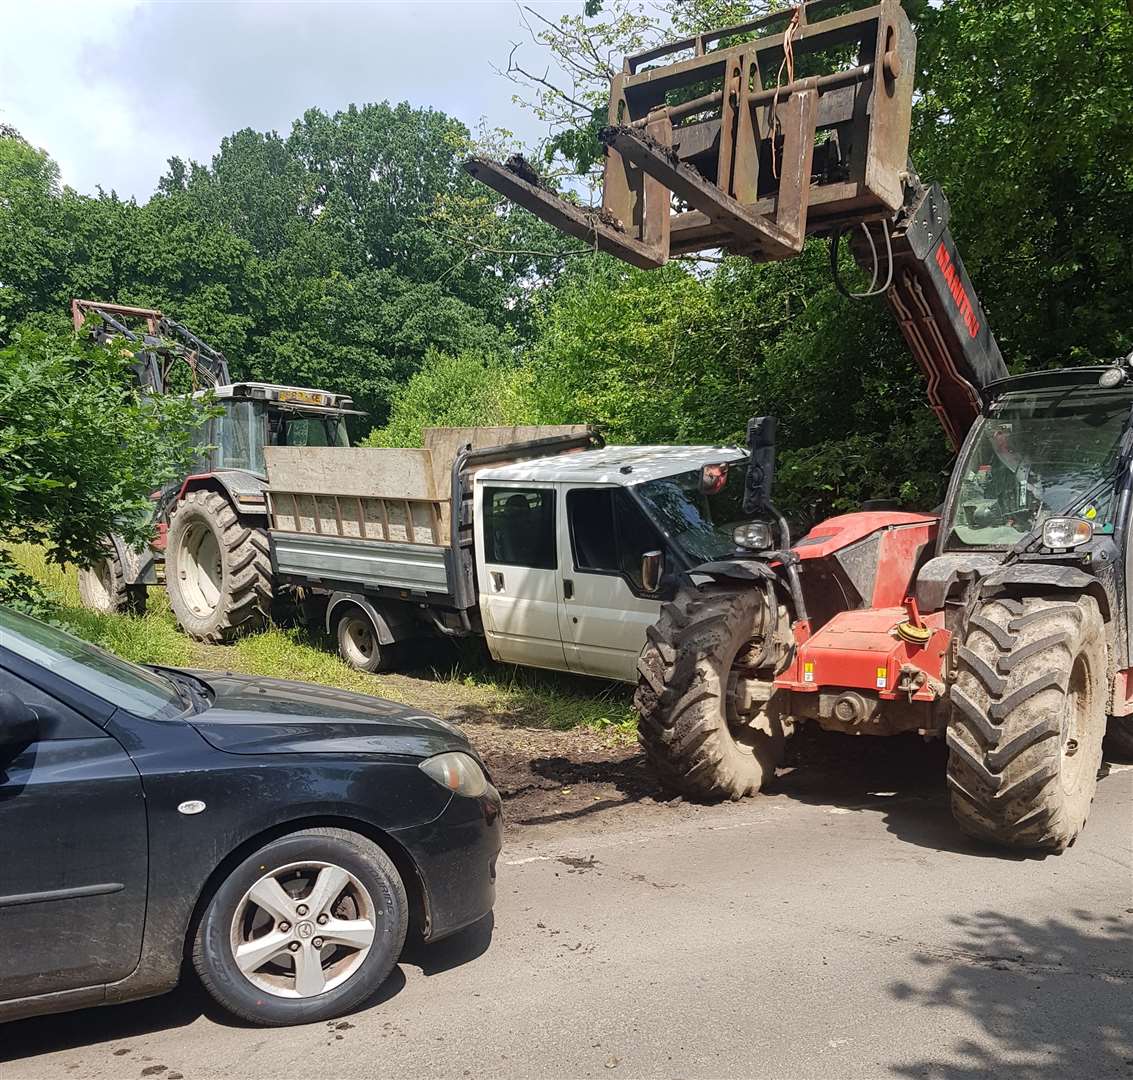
(956, 287)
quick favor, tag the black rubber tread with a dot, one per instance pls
(212, 954)
(246, 592)
(1009, 780)
(682, 691)
(123, 599)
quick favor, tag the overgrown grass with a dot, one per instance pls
(460, 683)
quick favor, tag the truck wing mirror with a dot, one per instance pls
(652, 567)
(19, 726)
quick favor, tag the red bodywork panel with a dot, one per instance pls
(861, 650)
(903, 538)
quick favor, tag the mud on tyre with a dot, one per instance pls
(217, 569)
(697, 740)
(1028, 717)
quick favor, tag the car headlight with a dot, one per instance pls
(755, 536)
(458, 772)
(1066, 532)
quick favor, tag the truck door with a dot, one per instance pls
(518, 572)
(605, 611)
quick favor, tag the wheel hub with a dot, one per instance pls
(274, 942)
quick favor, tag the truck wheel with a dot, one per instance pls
(358, 642)
(306, 928)
(697, 741)
(1028, 717)
(103, 588)
(217, 569)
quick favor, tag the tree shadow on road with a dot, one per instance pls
(901, 777)
(1050, 999)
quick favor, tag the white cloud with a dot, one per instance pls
(113, 88)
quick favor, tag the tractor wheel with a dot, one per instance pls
(1028, 717)
(217, 569)
(103, 588)
(699, 737)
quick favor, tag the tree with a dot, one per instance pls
(80, 449)
(457, 391)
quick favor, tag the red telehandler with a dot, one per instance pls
(1000, 623)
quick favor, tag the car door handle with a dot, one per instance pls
(568, 588)
(497, 581)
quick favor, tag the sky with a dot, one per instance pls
(113, 88)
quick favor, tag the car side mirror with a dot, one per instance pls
(19, 726)
(652, 567)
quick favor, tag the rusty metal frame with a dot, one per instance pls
(703, 130)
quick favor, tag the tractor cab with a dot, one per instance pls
(1042, 464)
(254, 415)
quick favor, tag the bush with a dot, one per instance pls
(457, 391)
(81, 450)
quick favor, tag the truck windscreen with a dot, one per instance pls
(699, 522)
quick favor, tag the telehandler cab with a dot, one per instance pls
(1001, 623)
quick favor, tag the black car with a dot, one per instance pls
(281, 836)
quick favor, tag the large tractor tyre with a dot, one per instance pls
(103, 588)
(1028, 718)
(1119, 737)
(217, 569)
(689, 725)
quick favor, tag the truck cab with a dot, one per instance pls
(576, 553)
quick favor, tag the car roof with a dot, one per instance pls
(624, 465)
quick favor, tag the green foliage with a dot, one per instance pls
(80, 451)
(457, 391)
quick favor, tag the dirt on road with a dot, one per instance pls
(558, 776)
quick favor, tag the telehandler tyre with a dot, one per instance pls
(688, 725)
(103, 588)
(217, 569)
(1028, 717)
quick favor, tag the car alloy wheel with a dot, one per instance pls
(303, 929)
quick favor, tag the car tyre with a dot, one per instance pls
(269, 958)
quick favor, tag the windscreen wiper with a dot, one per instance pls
(200, 693)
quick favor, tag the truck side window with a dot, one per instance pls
(519, 527)
(609, 533)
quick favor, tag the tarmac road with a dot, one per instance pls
(841, 928)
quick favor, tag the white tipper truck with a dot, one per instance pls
(555, 548)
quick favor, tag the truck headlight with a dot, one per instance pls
(755, 536)
(1066, 532)
(458, 772)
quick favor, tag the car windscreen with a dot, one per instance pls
(699, 522)
(90, 668)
